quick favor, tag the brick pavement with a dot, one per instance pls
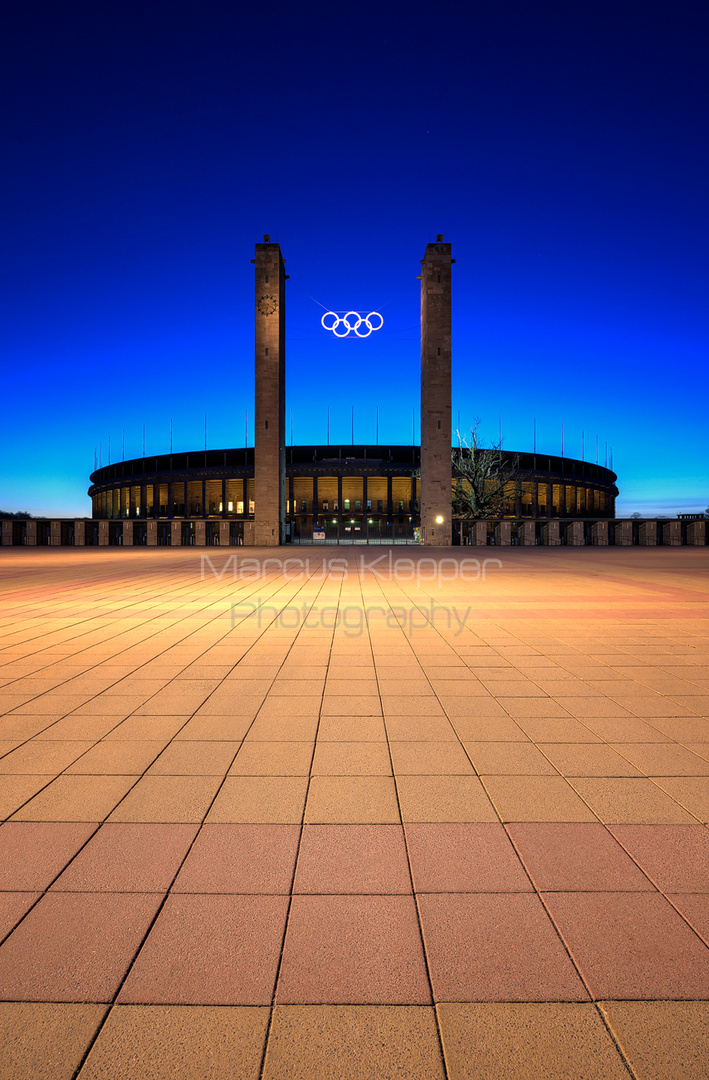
(464, 836)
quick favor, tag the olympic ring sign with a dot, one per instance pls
(351, 325)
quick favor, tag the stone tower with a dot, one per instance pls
(270, 391)
(436, 487)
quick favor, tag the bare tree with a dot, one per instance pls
(486, 480)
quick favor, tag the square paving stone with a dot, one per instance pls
(475, 857)
(116, 757)
(662, 1040)
(240, 858)
(27, 727)
(626, 729)
(520, 708)
(182, 758)
(430, 759)
(168, 799)
(694, 907)
(182, 1042)
(631, 945)
(684, 729)
(632, 800)
(353, 950)
(557, 729)
(692, 792)
(42, 757)
(33, 853)
(536, 798)
(509, 759)
(218, 729)
(13, 905)
(352, 859)
(420, 729)
(352, 800)
(273, 759)
(283, 728)
(597, 705)
(76, 798)
(353, 1042)
(210, 950)
(588, 759)
(260, 800)
(665, 759)
(469, 708)
(566, 1041)
(75, 946)
(444, 798)
(496, 729)
(150, 728)
(45, 1041)
(569, 857)
(351, 729)
(675, 857)
(351, 759)
(128, 858)
(495, 947)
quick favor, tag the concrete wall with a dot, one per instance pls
(669, 533)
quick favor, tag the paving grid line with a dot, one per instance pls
(134, 712)
(168, 892)
(424, 951)
(269, 1026)
(111, 811)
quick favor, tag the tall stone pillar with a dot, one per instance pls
(436, 488)
(270, 413)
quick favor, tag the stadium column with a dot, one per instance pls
(436, 488)
(270, 387)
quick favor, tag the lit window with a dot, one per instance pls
(347, 504)
(240, 508)
(231, 507)
(252, 507)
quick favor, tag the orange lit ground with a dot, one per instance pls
(465, 837)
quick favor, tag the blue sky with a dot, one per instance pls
(561, 148)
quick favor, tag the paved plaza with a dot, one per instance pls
(357, 813)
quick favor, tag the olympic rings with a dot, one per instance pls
(344, 320)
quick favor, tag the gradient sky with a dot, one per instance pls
(560, 145)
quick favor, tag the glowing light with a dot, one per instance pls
(439, 520)
(351, 322)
